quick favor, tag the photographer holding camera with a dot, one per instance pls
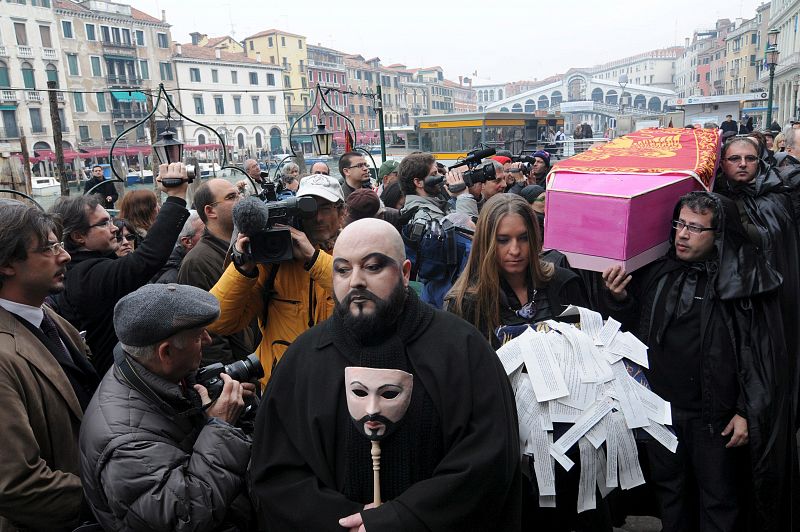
(287, 295)
(156, 452)
(422, 183)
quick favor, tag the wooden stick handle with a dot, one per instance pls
(376, 473)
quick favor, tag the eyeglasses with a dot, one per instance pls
(735, 159)
(695, 229)
(55, 249)
(360, 165)
(231, 196)
(103, 223)
(130, 237)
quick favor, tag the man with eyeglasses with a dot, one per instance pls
(96, 279)
(355, 172)
(706, 311)
(46, 380)
(288, 297)
(203, 266)
(764, 203)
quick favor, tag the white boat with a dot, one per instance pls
(208, 169)
(45, 186)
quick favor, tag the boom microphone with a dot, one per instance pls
(475, 157)
(250, 215)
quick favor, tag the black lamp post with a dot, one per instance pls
(322, 139)
(772, 60)
(168, 148)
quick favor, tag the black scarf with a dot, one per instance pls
(679, 295)
(411, 453)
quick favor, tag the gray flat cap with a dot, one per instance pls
(155, 312)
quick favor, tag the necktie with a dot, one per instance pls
(49, 329)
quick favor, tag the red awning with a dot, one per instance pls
(198, 147)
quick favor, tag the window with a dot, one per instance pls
(90, 32)
(219, 105)
(162, 40)
(214, 75)
(237, 105)
(44, 32)
(101, 102)
(72, 65)
(106, 131)
(251, 45)
(21, 33)
(271, 80)
(254, 99)
(77, 97)
(269, 42)
(36, 120)
(287, 82)
(5, 80)
(115, 35)
(194, 75)
(304, 83)
(283, 42)
(144, 69)
(66, 28)
(300, 43)
(96, 69)
(27, 76)
(198, 104)
(52, 73)
(272, 105)
(83, 133)
(126, 36)
(165, 69)
(105, 33)
(234, 76)
(253, 78)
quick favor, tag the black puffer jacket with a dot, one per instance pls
(151, 460)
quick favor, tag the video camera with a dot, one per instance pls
(247, 370)
(527, 163)
(478, 172)
(257, 219)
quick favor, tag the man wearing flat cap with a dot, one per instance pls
(156, 452)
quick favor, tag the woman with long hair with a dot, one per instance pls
(505, 281)
(139, 208)
(126, 236)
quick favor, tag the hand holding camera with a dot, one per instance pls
(229, 404)
(455, 183)
(173, 179)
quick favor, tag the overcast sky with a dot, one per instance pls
(501, 41)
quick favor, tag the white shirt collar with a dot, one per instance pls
(34, 315)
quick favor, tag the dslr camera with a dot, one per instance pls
(480, 174)
(246, 370)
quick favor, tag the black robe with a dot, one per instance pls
(744, 288)
(297, 472)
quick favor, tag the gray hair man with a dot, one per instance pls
(187, 239)
(156, 452)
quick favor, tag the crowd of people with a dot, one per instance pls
(377, 342)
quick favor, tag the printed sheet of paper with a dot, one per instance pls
(586, 421)
(627, 345)
(543, 464)
(656, 408)
(630, 473)
(612, 449)
(597, 434)
(601, 473)
(625, 393)
(510, 353)
(663, 436)
(561, 413)
(588, 477)
(562, 459)
(543, 370)
(608, 332)
(591, 323)
(591, 365)
(527, 408)
(581, 394)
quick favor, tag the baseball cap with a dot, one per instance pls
(502, 159)
(387, 168)
(321, 185)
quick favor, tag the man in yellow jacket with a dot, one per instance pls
(301, 294)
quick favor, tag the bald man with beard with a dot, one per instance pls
(451, 463)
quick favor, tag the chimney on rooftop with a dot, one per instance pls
(258, 57)
(164, 16)
(217, 53)
(178, 49)
(195, 37)
(460, 81)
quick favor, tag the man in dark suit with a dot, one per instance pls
(46, 380)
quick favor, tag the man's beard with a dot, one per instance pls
(372, 328)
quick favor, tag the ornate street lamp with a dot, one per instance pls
(322, 139)
(772, 54)
(169, 149)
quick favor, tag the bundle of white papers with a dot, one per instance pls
(568, 374)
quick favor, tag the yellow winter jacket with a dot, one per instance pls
(302, 299)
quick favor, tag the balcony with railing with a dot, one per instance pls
(25, 51)
(123, 81)
(7, 95)
(38, 130)
(127, 114)
(9, 133)
(60, 97)
(326, 65)
(119, 48)
(50, 54)
(3, 50)
(286, 67)
(296, 109)
(33, 96)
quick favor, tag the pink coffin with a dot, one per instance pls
(598, 220)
